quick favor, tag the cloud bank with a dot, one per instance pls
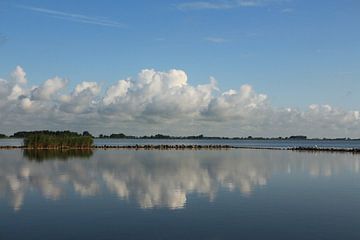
(156, 101)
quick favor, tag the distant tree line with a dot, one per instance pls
(116, 135)
(156, 136)
(68, 134)
(201, 136)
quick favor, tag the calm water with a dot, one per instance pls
(237, 143)
(11, 142)
(227, 194)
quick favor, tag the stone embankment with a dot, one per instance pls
(167, 147)
(320, 149)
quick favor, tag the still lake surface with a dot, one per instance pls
(183, 194)
(236, 143)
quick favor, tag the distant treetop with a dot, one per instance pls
(3, 135)
(24, 134)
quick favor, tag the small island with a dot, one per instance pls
(57, 140)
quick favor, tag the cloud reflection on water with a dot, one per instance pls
(160, 178)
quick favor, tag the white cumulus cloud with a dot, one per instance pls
(19, 75)
(49, 88)
(162, 101)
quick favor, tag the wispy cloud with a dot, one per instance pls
(287, 10)
(101, 21)
(204, 5)
(216, 40)
(224, 4)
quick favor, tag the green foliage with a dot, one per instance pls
(3, 135)
(86, 133)
(67, 133)
(54, 140)
(157, 136)
(117, 135)
(298, 137)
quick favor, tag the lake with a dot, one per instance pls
(179, 194)
(236, 143)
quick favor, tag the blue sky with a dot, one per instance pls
(296, 52)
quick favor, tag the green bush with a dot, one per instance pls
(52, 141)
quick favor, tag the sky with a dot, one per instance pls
(220, 67)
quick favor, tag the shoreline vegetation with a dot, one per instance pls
(66, 140)
(57, 140)
(24, 134)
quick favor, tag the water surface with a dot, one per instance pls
(227, 194)
(236, 143)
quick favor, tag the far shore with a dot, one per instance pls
(188, 147)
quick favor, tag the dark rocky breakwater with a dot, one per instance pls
(317, 149)
(167, 147)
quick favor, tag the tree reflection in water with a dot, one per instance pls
(56, 154)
